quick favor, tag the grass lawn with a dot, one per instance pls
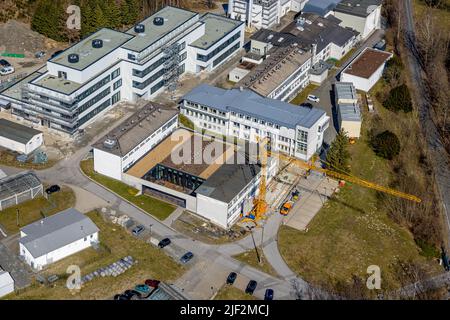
(352, 231)
(155, 207)
(301, 97)
(228, 292)
(250, 258)
(116, 243)
(443, 16)
(36, 209)
(344, 59)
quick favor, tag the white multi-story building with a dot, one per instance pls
(109, 66)
(262, 13)
(244, 114)
(127, 143)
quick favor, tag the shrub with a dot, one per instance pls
(386, 145)
(399, 99)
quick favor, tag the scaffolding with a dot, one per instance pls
(171, 67)
(19, 188)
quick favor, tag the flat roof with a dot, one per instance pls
(52, 82)
(216, 27)
(250, 103)
(345, 90)
(277, 39)
(87, 54)
(228, 181)
(361, 8)
(350, 112)
(15, 91)
(166, 151)
(272, 72)
(18, 183)
(173, 18)
(17, 132)
(54, 232)
(139, 126)
(367, 62)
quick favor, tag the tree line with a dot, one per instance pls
(50, 16)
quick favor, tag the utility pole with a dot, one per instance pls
(151, 232)
(17, 216)
(254, 243)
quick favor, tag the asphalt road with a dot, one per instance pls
(438, 155)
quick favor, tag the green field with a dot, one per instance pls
(250, 258)
(228, 292)
(157, 208)
(36, 209)
(115, 243)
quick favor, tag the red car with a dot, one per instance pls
(152, 283)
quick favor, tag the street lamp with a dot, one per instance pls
(151, 231)
(254, 243)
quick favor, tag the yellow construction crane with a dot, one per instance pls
(260, 205)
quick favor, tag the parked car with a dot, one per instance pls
(251, 286)
(187, 257)
(306, 105)
(56, 53)
(313, 98)
(164, 243)
(52, 189)
(40, 54)
(268, 295)
(4, 63)
(152, 283)
(231, 277)
(285, 208)
(121, 297)
(143, 289)
(138, 230)
(6, 70)
(295, 195)
(130, 294)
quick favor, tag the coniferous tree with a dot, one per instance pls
(338, 156)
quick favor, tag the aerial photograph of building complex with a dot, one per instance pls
(224, 150)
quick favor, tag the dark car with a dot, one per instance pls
(39, 54)
(52, 189)
(251, 286)
(186, 257)
(231, 277)
(152, 283)
(130, 294)
(4, 63)
(57, 53)
(164, 243)
(268, 295)
(306, 105)
(121, 297)
(138, 230)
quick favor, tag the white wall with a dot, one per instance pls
(363, 83)
(39, 262)
(6, 284)
(27, 148)
(108, 164)
(214, 210)
(365, 26)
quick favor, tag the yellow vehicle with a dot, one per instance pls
(287, 206)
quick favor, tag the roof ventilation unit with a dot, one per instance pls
(139, 28)
(109, 143)
(97, 43)
(158, 21)
(73, 58)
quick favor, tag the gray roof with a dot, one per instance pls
(360, 8)
(349, 112)
(228, 181)
(345, 90)
(17, 132)
(277, 39)
(18, 183)
(310, 28)
(54, 232)
(252, 104)
(136, 128)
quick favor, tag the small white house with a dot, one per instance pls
(56, 237)
(366, 69)
(19, 138)
(6, 283)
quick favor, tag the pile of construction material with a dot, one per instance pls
(113, 270)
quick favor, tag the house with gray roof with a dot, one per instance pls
(56, 237)
(19, 138)
(246, 115)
